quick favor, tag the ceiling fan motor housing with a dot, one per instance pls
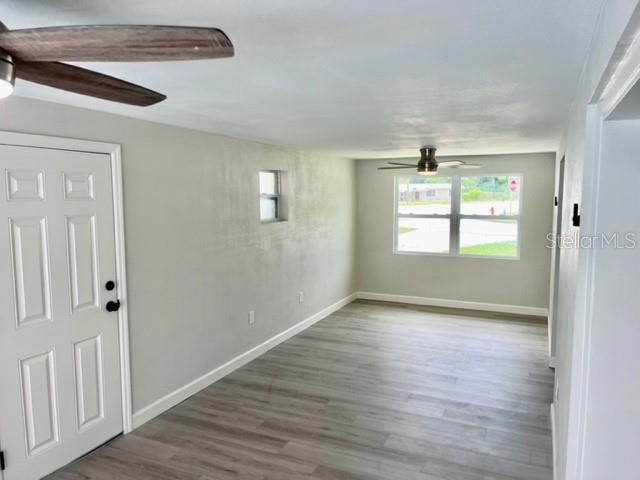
(428, 163)
(7, 68)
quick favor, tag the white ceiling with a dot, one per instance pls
(361, 78)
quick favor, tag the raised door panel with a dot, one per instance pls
(25, 185)
(89, 381)
(30, 268)
(78, 186)
(83, 262)
(40, 402)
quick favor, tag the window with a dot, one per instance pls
(272, 202)
(424, 214)
(459, 215)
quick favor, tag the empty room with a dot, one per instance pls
(319, 240)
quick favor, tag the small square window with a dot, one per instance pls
(272, 207)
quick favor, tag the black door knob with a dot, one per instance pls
(113, 306)
(110, 285)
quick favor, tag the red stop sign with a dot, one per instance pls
(513, 186)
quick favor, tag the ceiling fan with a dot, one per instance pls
(428, 165)
(35, 55)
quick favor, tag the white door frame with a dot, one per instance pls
(113, 150)
(618, 79)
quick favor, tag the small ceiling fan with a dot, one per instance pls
(35, 55)
(428, 165)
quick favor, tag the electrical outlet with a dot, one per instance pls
(252, 317)
(301, 296)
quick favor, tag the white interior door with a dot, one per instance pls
(59, 346)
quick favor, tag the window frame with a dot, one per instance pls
(273, 196)
(455, 216)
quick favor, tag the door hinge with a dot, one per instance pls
(1, 461)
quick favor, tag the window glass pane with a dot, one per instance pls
(269, 183)
(490, 195)
(424, 196)
(268, 209)
(489, 238)
(427, 235)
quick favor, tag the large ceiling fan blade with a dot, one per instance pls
(116, 43)
(397, 168)
(465, 166)
(87, 82)
(450, 163)
(470, 165)
(403, 164)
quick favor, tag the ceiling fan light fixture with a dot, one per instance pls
(7, 74)
(428, 170)
(428, 164)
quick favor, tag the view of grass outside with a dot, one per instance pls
(503, 249)
(481, 198)
(488, 237)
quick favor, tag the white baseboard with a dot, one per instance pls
(443, 302)
(554, 464)
(159, 406)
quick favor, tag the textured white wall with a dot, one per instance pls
(198, 258)
(523, 282)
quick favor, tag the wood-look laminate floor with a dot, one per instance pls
(375, 391)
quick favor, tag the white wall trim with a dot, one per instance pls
(121, 286)
(554, 454)
(113, 150)
(161, 405)
(624, 74)
(444, 302)
(583, 301)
